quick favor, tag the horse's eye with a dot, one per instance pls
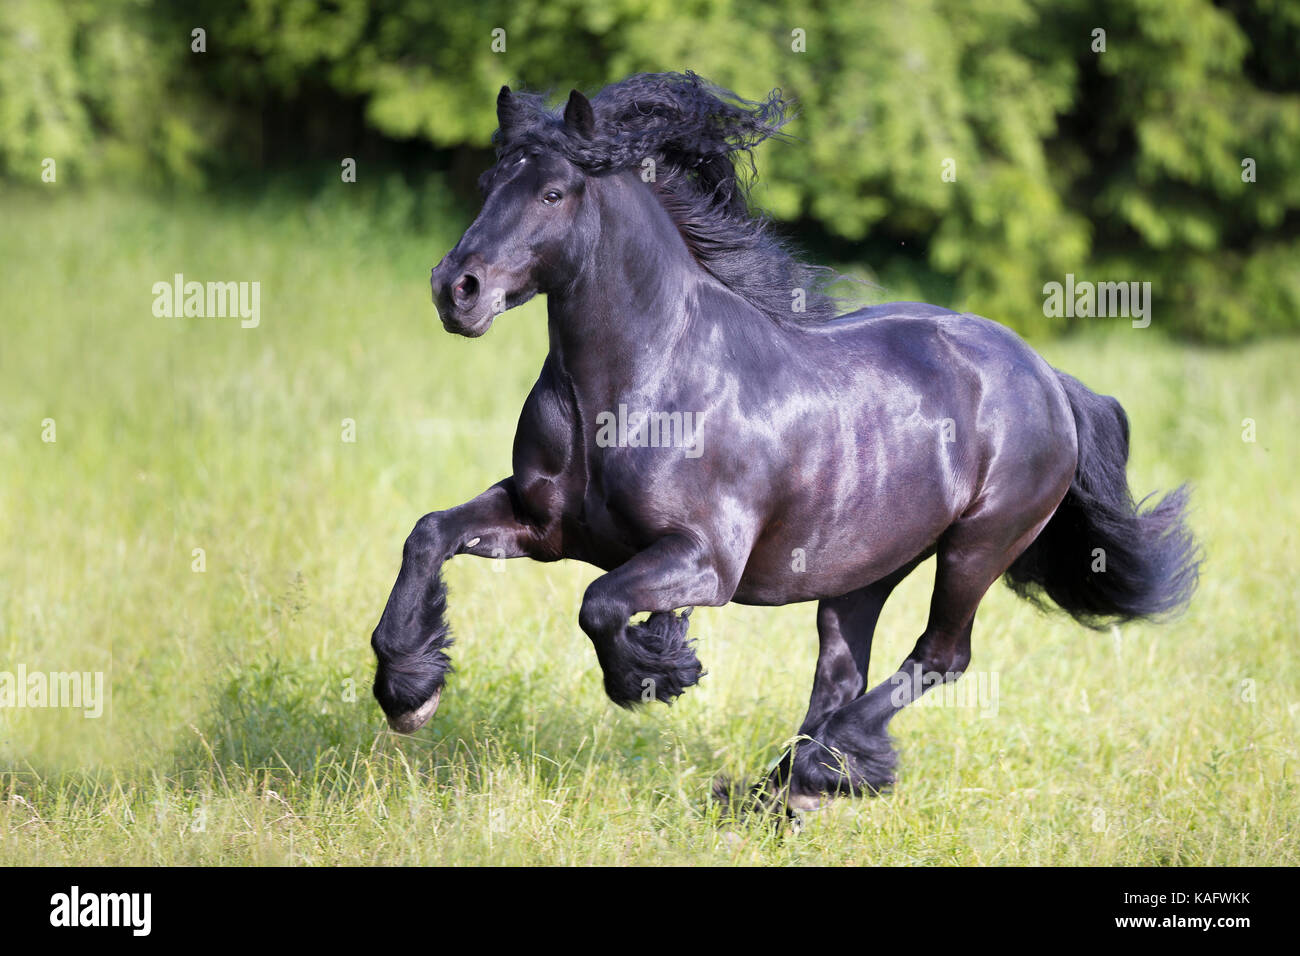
(551, 197)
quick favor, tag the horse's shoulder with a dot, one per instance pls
(547, 422)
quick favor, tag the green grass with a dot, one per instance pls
(241, 727)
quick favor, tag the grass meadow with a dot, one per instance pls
(241, 729)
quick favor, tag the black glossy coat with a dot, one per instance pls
(829, 459)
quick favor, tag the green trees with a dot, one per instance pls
(91, 86)
(966, 150)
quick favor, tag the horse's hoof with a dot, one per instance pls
(413, 720)
(804, 801)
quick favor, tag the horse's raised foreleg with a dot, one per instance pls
(651, 660)
(412, 634)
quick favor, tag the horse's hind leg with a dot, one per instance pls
(845, 628)
(850, 751)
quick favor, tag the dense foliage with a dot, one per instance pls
(968, 151)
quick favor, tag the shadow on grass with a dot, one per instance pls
(306, 730)
(311, 733)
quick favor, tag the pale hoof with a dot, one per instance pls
(413, 720)
(804, 801)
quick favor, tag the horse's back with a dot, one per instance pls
(935, 338)
(895, 320)
(885, 310)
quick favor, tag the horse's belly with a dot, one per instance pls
(804, 560)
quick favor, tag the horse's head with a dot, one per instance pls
(569, 181)
(533, 232)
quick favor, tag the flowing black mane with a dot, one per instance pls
(701, 139)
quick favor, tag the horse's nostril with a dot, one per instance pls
(466, 288)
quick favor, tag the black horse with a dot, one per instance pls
(706, 429)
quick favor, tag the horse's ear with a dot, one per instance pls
(579, 116)
(507, 108)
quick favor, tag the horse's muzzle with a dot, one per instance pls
(458, 292)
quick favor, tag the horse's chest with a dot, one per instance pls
(617, 474)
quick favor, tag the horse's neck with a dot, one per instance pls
(634, 312)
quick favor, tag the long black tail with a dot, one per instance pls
(1101, 557)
